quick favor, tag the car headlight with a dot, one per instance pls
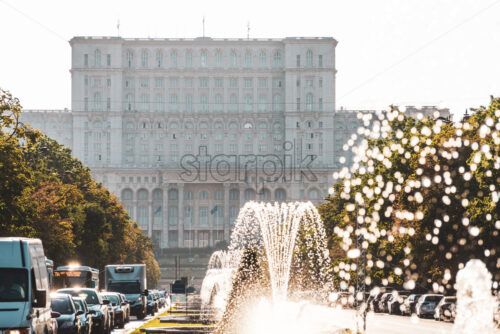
(17, 331)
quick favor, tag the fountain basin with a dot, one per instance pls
(179, 329)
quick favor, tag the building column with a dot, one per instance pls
(150, 218)
(164, 235)
(226, 222)
(180, 215)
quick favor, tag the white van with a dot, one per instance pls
(24, 286)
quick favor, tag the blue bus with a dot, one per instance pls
(74, 276)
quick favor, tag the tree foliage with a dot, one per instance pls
(46, 193)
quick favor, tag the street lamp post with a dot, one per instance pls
(360, 271)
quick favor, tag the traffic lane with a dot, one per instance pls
(393, 324)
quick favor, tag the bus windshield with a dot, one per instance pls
(13, 285)
(67, 279)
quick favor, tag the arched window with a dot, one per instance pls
(129, 102)
(203, 59)
(277, 102)
(203, 125)
(277, 59)
(159, 58)
(262, 102)
(280, 194)
(309, 58)
(234, 59)
(97, 58)
(309, 102)
(203, 102)
(248, 59)
(233, 125)
(262, 59)
(247, 125)
(233, 102)
(173, 194)
(157, 195)
(127, 195)
(219, 195)
(144, 59)
(129, 58)
(234, 194)
(248, 102)
(159, 105)
(218, 102)
(142, 195)
(144, 102)
(188, 195)
(313, 194)
(174, 102)
(249, 194)
(203, 195)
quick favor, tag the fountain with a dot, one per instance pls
(475, 304)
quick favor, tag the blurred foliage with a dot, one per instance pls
(459, 164)
(46, 193)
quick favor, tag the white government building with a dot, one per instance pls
(184, 131)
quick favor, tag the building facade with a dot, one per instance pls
(185, 131)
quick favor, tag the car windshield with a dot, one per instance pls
(125, 287)
(61, 305)
(89, 296)
(433, 299)
(13, 285)
(112, 298)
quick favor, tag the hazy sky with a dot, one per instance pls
(405, 52)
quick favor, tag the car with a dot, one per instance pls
(396, 301)
(373, 303)
(426, 305)
(152, 304)
(163, 299)
(443, 309)
(408, 307)
(382, 304)
(119, 316)
(86, 317)
(101, 321)
(66, 313)
(126, 307)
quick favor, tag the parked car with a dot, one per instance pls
(163, 300)
(427, 304)
(126, 307)
(373, 304)
(66, 313)
(86, 317)
(396, 301)
(408, 307)
(101, 321)
(443, 309)
(119, 316)
(382, 304)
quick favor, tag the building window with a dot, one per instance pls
(129, 58)
(277, 59)
(298, 60)
(174, 83)
(188, 215)
(203, 59)
(320, 104)
(276, 83)
(108, 60)
(309, 58)
(86, 104)
(97, 102)
(159, 58)
(144, 102)
(218, 59)
(262, 102)
(249, 194)
(320, 83)
(233, 102)
(108, 103)
(218, 211)
(219, 195)
(298, 104)
(280, 195)
(173, 59)
(320, 60)
(262, 82)
(157, 216)
(144, 82)
(233, 83)
(173, 239)
(203, 195)
(248, 82)
(129, 102)
(86, 60)
(173, 216)
(234, 194)
(174, 102)
(203, 82)
(298, 83)
(234, 59)
(277, 102)
(218, 102)
(189, 102)
(203, 216)
(248, 102)
(159, 105)
(262, 59)
(309, 102)
(158, 82)
(188, 195)
(189, 59)
(144, 59)
(309, 83)
(142, 217)
(248, 59)
(97, 58)
(203, 102)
